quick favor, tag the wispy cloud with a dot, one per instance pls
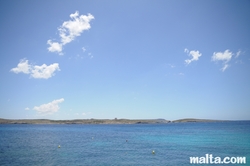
(49, 108)
(85, 114)
(82, 114)
(83, 49)
(171, 65)
(27, 108)
(224, 67)
(35, 71)
(238, 54)
(225, 57)
(90, 55)
(194, 54)
(69, 30)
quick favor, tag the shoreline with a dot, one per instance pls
(105, 121)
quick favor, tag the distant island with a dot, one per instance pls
(100, 121)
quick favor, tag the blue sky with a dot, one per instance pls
(125, 59)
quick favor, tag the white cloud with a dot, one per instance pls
(73, 28)
(49, 108)
(55, 47)
(222, 56)
(36, 71)
(69, 30)
(27, 108)
(195, 55)
(22, 67)
(44, 71)
(225, 57)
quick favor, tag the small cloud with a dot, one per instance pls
(222, 56)
(27, 108)
(55, 47)
(195, 55)
(36, 71)
(225, 57)
(44, 71)
(181, 74)
(69, 30)
(73, 28)
(49, 108)
(22, 67)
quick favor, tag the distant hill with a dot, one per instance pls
(194, 120)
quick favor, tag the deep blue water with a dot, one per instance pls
(106, 145)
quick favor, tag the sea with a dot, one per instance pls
(122, 144)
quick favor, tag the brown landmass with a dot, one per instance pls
(99, 121)
(82, 121)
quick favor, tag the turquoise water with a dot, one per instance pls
(100, 145)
